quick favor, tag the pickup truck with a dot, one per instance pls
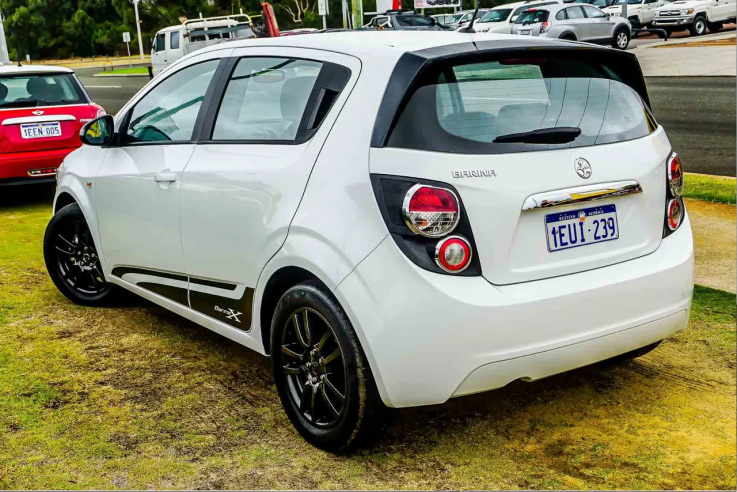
(696, 15)
(640, 13)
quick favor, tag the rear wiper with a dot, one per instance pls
(560, 135)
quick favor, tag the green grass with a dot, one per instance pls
(710, 188)
(136, 397)
(127, 71)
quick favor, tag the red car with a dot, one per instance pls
(41, 112)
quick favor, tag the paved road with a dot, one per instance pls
(678, 37)
(697, 112)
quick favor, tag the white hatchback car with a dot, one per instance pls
(396, 218)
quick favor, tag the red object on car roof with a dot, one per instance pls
(42, 109)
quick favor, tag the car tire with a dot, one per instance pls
(698, 27)
(621, 39)
(321, 373)
(715, 26)
(568, 37)
(635, 22)
(72, 260)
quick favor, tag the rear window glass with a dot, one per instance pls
(412, 21)
(533, 16)
(496, 15)
(39, 90)
(464, 108)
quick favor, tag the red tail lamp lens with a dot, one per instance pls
(430, 211)
(453, 254)
(675, 175)
(675, 214)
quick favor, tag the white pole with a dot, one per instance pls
(4, 58)
(138, 30)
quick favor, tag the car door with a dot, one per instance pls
(173, 51)
(158, 52)
(723, 10)
(648, 10)
(138, 185)
(578, 23)
(599, 24)
(245, 180)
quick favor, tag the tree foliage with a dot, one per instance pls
(65, 28)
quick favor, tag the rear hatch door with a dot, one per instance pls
(447, 133)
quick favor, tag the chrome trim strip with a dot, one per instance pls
(39, 119)
(580, 194)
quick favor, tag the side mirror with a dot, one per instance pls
(99, 131)
(608, 16)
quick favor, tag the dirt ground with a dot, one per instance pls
(714, 228)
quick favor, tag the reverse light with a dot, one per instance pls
(430, 211)
(674, 213)
(453, 254)
(675, 175)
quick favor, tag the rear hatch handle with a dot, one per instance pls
(580, 194)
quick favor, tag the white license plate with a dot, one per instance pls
(582, 227)
(526, 31)
(41, 130)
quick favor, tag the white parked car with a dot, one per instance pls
(696, 15)
(640, 13)
(501, 19)
(283, 193)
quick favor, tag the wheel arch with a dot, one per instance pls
(568, 36)
(62, 200)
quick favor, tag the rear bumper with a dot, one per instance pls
(429, 337)
(17, 165)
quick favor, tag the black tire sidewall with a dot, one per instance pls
(341, 435)
(69, 212)
(616, 35)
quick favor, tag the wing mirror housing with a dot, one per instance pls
(98, 132)
(608, 16)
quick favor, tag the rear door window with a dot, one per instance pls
(465, 108)
(174, 41)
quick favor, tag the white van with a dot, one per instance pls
(172, 43)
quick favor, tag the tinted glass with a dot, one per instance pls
(561, 15)
(533, 16)
(412, 21)
(497, 15)
(593, 13)
(160, 42)
(575, 13)
(174, 40)
(39, 90)
(169, 111)
(266, 99)
(470, 105)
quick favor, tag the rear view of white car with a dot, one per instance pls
(395, 218)
(500, 19)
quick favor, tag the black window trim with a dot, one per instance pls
(332, 77)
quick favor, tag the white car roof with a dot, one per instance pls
(362, 44)
(30, 69)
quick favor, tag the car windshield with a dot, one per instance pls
(413, 21)
(532, 17)
(23, 91)
(497, 15)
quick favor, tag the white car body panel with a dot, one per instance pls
(713, 10)
(244, 212)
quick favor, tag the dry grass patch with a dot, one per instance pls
(137, 397)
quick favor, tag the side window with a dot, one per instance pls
(593, 13)
(266, 99)
(174, 41)
(169, 111)
(159, 41)
(574, 13)
(561, 15)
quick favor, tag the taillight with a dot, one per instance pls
(453, 254)
(544, 27)
(429, 211)
(420, 215)
(675, 175)
(674, 208)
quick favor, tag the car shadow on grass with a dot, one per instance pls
(26, 195)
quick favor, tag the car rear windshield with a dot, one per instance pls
(464, 108)
(496, 15)
(532, 17)
(23, 91)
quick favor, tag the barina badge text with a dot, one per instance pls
(476, 173)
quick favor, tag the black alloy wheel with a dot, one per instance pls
(314, 368)
(321, 373)
(72, 259)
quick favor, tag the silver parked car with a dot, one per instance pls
(576, 23)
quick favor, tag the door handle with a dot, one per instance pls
(165, 178)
